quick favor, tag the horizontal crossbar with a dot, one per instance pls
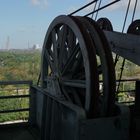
(15, 110)
(15, 82)
(14, 96)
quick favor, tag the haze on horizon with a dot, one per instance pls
(24, 23)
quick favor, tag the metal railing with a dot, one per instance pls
(130, 91)
(12, 95)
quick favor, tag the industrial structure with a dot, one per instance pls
(76, 95)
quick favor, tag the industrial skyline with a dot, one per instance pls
(26, 22)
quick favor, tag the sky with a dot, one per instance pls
(25, 22)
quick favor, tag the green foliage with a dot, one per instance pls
(17, 65)
(21, 65)
(130, 70)
(13, 103)
(25, 65)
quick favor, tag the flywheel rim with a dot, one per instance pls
(70, 23)
(107, 65)
(111, 73)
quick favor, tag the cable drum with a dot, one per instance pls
(134, 27)
(75, 56)
(105, 24)
(69, 66)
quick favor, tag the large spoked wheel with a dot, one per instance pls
(69, 66)
(105, 24)
(134, 28)
(106, 70)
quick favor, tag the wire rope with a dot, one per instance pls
(126, 15)
(83, 7)
(94, 9)
(123, 63)
(99, 5)
(134, 11)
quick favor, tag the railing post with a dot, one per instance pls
(32, 106)
(137, 98)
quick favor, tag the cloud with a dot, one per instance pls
(122, 5)
(22, 30)
(42, 3)
(35, 2)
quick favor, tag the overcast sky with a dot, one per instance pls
(25, 22)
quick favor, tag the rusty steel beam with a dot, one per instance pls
(125, 45)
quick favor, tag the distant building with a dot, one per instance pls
(36, 47)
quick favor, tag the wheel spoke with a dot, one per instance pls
(50, 53)
(71, 40)
(62, 40)
(80, 75)
(100, 69)
(78, 64)
(66, 94)
(50, 61)
(76, 97)
(55, 48)
(70, 60)
(74, 83)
